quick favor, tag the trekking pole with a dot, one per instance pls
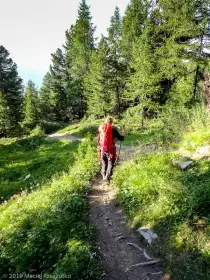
(117, 158)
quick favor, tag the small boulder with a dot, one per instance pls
(185, 165)
(27, 177)
(148, 234)
(203, 150)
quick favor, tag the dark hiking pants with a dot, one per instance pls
(107, 165)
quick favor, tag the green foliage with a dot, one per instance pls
(44, 231)
(156, 193)
(176, 120)
(133, 24)
(96, 83)
(34, 157)
(117, 67)
(79, 47)
(49, 126)
(30, 108)
(6, 119)
(81, 129)
(10, 95)
(37, 131)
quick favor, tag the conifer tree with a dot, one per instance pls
(179, 48)
(73, 99)
(97, 82)
(6, 118)
(142, 85)
(117, 68)
(79, 56)
(58, 81)
(132, 25)
(31, 107)
(46, 105)
(11, 95)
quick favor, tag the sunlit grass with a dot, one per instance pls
(45, 231)
(23, 167)
(175, 203)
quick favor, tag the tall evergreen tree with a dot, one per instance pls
(142, 86)
(97, 82)
(11, 95)
(58, 81)
(79, 56)
(134, 23)
(47, 103)
(180, 46)
(117, 67)
(73, 100)
(31, 107)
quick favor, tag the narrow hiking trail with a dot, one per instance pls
(119, 248)
(116, 242)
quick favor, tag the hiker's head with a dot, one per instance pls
(109, 120)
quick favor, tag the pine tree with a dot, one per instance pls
(58, 81)
(46, 105)
(180, 53)
(79, 57)
(201, 55)
(73, 100)
(6, 119)
(142, 85)
(31, 107)
(11, 95)
(117, 68)
(133, 24)
(97, 82)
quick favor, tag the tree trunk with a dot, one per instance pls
(195, 82)
(118, 101)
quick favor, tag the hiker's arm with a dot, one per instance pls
(117, 135)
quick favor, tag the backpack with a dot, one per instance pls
(106, 143)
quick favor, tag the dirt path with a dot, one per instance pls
(113, 234)
(64, 136)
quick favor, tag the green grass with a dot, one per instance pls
(140, 137)
(176, 204)
(193, 140)
(45, 231)
(82, 128)
(133, 137)
(32, 156)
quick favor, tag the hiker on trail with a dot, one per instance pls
(107, 135)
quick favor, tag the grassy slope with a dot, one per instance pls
(45, 231)
(36, 157)
(175, 203)
(133, 137)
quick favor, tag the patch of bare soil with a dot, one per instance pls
(121, 253)
(64, 136)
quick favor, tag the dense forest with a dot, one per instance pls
(153, 59)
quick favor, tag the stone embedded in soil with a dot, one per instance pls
(185, 165)
(203, 150)
(148, 234)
